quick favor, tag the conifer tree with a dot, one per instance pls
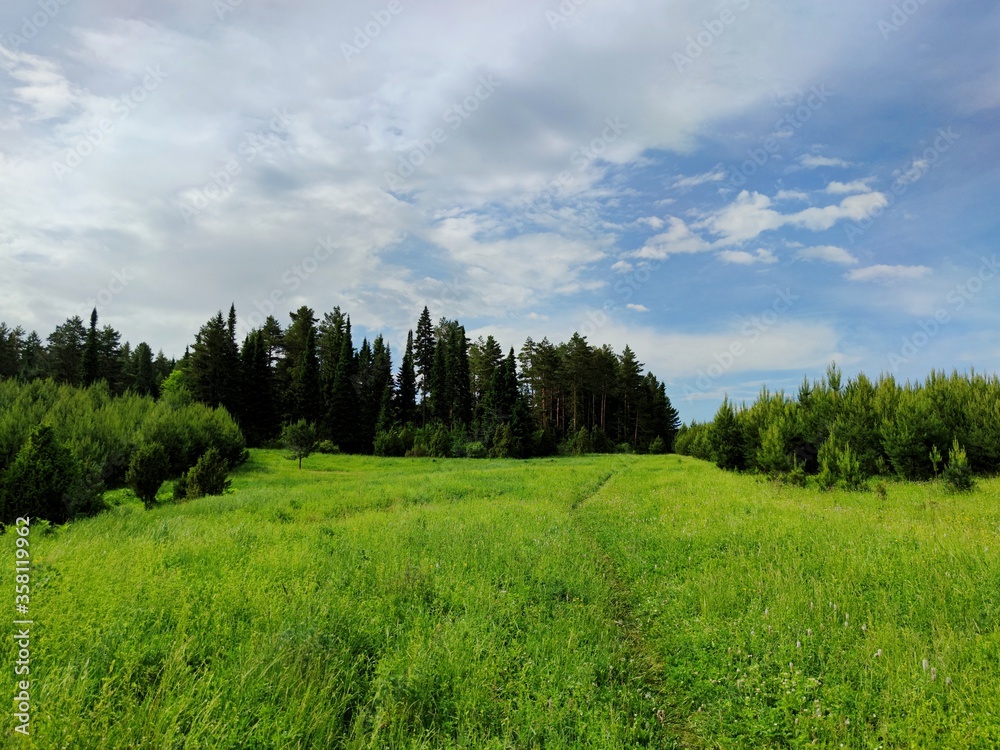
(406, 389)
(424, 355)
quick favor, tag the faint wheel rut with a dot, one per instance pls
(647, 667)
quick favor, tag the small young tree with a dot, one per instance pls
(300, 439)
(208, 476)
(39, 480)
(658, 446)
(148, 469)
(957, 475)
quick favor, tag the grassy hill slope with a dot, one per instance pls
(606, 601)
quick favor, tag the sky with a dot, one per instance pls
(741, 190)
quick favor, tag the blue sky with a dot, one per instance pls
(741, 190)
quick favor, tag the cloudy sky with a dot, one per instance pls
(742, 190)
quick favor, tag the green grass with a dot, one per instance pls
(596, 602)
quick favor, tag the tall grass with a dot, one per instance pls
(603, 602)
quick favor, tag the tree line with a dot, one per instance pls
(847, 432)
(449, 396)
(446, 396)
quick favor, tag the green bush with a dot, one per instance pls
(475, 449)
(180, 488)
(327, 447)
(38, 482)
(503, 442)
(208, 476)
(957, 475)
(440, 443)
(148, 469)
(658, 446)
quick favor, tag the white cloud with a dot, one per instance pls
(786, 345)
(637, 308)
(791, 195)
(843, 188)
(716, 175)
(743, 258)
(751, 214)
(653, 222)
(621, 266)
(828, 254)
(887, 274)
(678, 239)
(810, 161)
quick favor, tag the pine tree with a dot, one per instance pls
(425, 359)
(40, 479)
(10, 351)
(342, 414)
(727, 438)
(212, 368)
(91, 352)
(142, 374)
(406, 398)
(259, 416)
(65, 352)
(630, 388)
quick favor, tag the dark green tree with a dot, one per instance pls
(727, 438)
(65, 352)
(299, 438)
(39, 481)
(148, 469)
(425, 359)
(406, 385)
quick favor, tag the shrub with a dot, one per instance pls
(327, 447)
(208, 476)
(39, 480)
(180, 488)
(419, 450)
(440, 445)
(658, 446)
(148, 469)
(581, 444)
(544, 443)
(475, 449)
(957, 475)
(796, 477)
(503, 442)
(601, 443)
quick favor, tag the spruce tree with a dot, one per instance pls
(91, 354)
(342, 413)
(406, 389)
(425, 359)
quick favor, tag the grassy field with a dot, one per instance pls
(597, 602)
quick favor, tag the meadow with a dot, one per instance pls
(593, 602)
